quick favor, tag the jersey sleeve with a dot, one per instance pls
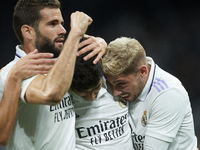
(157, 144)
(168, 111)
(24, 86)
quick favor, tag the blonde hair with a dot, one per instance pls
(124, 55)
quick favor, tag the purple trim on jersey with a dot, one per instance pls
(160, 85)
(104, 77)
(18, 55)
(163, 82)
(156, 88)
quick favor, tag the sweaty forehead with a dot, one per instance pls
(116, 79)
(51, 14)
(111, 77)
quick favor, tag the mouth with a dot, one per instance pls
(124, 96)
(59, 41)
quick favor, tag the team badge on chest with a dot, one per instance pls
(122, 102)
(144, 119)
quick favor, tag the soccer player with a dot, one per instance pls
(101, 118)
(45, 117)
(160, 111)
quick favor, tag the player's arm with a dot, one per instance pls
(165, 119)
(155, 144)
(26, 67)
(96, 45)
(50, 88)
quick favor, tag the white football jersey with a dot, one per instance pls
(40, 126)
(102, 124)
(162, 111)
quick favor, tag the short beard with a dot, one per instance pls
(43, 44)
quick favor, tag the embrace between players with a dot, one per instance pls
(80, 101)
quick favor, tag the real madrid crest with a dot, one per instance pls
(144, 119)
(122, 102)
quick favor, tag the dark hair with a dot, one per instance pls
(86, 74)
(28, 12)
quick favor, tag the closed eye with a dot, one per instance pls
(55, 22)
(121, 83)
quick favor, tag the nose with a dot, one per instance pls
(62, 30)
(90, 96)
(116, 92)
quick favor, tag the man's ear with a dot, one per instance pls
(28, 32)
(143, 70)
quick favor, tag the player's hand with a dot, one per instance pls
(32, 64)
(96, 45)
(80, 22)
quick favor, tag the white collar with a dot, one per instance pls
(148, 85)
(19, 52)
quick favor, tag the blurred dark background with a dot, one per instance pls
(169, 30)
